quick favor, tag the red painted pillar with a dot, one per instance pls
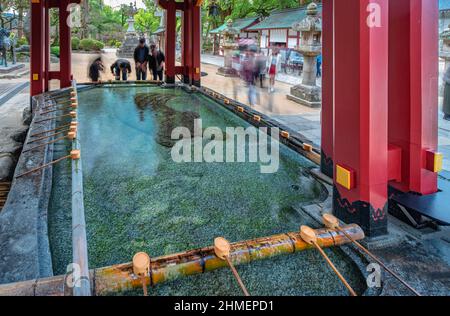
(47, 46)
(186, 50)
(413, 89)
(65, 60)
(171, 24)
(326, 164)
(196, 44)
(361, 114)
(37, 45)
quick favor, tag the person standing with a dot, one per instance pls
(319, 66)
(156, 62)
(274, 65)
(141, 53)
(121, 66)
(446, 106)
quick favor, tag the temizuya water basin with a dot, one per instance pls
(138, 199)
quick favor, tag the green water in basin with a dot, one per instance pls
(138, 199)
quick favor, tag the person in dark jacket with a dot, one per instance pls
(121, 66)
(141, 59)
(156, 62)
(446, 106)
(95, 68)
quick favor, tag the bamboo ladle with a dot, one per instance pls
(222, 250)
(141, 268)
(71, 135)
(54, 129)
(74, 155)
(332, 222)
(310, 237)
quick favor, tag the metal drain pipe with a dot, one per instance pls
(121, 277)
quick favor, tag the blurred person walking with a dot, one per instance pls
(273, 66)
(446, 105)
(95, 68)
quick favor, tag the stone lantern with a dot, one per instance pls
(229, 46)
(131, 37)
(445, 48)
(310, 28)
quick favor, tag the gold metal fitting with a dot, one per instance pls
(284, 134)
(257, 118)
(240, 109)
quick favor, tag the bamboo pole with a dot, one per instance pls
(74, 155)
(48, 136)
(309, 235)
(165, 268)
(332, 222)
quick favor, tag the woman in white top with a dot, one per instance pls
(273, 66)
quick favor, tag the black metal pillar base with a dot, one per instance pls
(196, 83)
(186, 79)
(170, 80)
(326, 165)
(373, 222)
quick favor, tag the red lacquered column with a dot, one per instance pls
(361, 113)
(186, 43)
(326, 165)
(37, 47)
(171, 24)
(413, 89)
(196, 43)
(65, 58)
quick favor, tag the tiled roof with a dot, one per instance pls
(282, 19)
(444, 5)
(240, 25)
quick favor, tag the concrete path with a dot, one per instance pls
(300, 118)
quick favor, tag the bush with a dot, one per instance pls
(118, 44)
(89, 44)
(22, 41)
(54, 50)
(75, 43)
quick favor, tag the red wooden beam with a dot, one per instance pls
(196, 43)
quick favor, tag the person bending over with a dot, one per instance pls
(121, 66)
(156, 62)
